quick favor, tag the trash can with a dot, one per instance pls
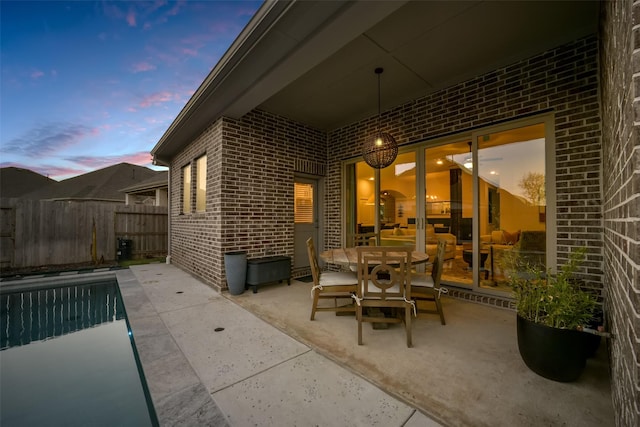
(235, 266)
(124, 249)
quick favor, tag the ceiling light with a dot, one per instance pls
(381, 149)
(469, 162)
(439, 161)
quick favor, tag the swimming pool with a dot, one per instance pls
(67, 357)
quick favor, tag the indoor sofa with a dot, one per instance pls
(407, 237)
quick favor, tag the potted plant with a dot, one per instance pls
(552, 312)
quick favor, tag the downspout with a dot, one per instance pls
(168, 260)
(158, 162)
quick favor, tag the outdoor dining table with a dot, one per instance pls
(348, 257)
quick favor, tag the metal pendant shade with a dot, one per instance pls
(380, 150)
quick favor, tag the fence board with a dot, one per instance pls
(47, 233)
(7, 235)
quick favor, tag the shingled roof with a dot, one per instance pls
(159, 180)
(16, 182)
(100, 185)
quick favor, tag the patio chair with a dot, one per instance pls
(384, 282)
(426, 287)
(330, 285)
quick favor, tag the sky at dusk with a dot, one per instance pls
(89, 84)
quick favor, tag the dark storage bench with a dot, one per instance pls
(267, 270)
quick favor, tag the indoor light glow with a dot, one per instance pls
(404, 167)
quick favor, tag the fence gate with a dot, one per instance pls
(148, 232)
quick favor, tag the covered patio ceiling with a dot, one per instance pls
(313, 62)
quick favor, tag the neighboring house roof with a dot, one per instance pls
(16, 182)
(100, 185)
(313, 61)
(159, 180)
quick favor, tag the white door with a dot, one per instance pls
(306, 219)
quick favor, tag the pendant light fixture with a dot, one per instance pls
(381, 149)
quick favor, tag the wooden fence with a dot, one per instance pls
(36, 233)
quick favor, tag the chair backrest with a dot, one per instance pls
(438, 263)
(313, 261)
(384, 272)
(361, 239)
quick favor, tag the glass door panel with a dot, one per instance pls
(449, 208)
(362, 215)
(512, 202)
(397, 209)
(384, 201)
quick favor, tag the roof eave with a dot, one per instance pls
(262, 20)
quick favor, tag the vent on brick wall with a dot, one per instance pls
(312, 168)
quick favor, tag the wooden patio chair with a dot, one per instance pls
(330, 285)
(384, 282)
(426, 287)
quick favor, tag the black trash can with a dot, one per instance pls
(124, 249)
(235, 266)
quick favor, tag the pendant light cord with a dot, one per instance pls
(379, 114)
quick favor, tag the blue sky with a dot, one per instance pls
(88, 84)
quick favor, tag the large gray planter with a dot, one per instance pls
(235, 265)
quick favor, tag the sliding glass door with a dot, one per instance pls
(512, 206)
(483, 193)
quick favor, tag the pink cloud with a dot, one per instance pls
(175, 9)
(142, 66)
(157, 98)
(54, 172)
(36, 74)
(140, 158)
(131, 18)
(189, 52)
(111, 10)
(58, 172)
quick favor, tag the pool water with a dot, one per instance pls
(68, 359)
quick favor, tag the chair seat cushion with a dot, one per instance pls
(374, 288)
(338, 278)
(425, 281)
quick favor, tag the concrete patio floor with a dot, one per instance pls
(271, 365)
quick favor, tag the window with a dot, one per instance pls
(303, 203)
(201, 183)
(186, 189)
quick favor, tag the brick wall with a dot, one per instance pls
(621, 187)
(563, 80)
(195, 237)
(250, 173)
